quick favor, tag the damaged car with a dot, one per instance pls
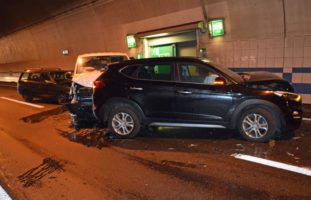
(45, 83)
(87, 69)
(187, 92)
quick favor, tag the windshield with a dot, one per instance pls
(236, 77)
(92, 63)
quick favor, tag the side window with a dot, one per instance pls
(35, 77)
(45, 77)
(130, 70)
(196, 74)
(161, 72)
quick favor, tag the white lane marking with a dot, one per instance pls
(4, 195)
(279, 165)
(306, 119)
(21, 102)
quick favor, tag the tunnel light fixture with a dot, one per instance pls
(65, 52)
(131, 42)
(216, 27)
(157, 35)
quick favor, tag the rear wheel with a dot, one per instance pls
(27, 98)
(258, 125)
(62, 98)
(124, 122)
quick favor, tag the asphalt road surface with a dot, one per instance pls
(42, 157)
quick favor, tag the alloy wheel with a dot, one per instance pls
(122, 123)
(255, 125)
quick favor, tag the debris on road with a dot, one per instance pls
(192, 145)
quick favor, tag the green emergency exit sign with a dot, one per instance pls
(216, 27)
(131, 42)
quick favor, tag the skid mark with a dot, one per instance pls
(48, 166)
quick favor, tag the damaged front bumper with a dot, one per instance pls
(81, 114)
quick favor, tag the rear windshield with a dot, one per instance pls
(92, 63)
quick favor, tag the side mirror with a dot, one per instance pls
(219, 81)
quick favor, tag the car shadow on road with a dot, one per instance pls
(160, 139)
(168, 139)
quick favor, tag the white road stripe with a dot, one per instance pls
(306, 119)
(4, 195)
(22, 102)
(279, 165)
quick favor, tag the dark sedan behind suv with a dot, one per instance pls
(44, 83)
(188, 92)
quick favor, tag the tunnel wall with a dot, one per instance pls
(270, 35)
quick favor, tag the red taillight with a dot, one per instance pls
(99, 84)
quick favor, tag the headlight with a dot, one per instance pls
(288, 95)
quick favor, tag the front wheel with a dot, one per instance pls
(123, 122)
(258, 125)
(27, 98)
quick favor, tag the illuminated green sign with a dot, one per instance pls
(139, 56)
(163, 51)
(131, 42)
(216, 27)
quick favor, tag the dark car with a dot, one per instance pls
(44, 83)
(188, 92)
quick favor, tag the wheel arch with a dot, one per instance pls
(106, 108)
(253, 103)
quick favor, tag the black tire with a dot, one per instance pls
(131, 116)
(27, 98)
(62, 98)
(266, 127)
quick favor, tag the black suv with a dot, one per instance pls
(44, 83)
(188, 92)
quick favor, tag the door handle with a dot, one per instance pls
(136, 88)
(184, 92)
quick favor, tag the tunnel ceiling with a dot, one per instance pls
(18, 14)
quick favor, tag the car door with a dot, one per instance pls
(33, 85)
(198, 99)
(47, 85)
(153, 89)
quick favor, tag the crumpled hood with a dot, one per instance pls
(259, 76)
(86, 79)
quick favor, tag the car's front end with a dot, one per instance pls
(281, 93)
(292, 109)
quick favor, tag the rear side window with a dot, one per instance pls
(25, 76)
(35, 77)
(161, 72)
(130, 70)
